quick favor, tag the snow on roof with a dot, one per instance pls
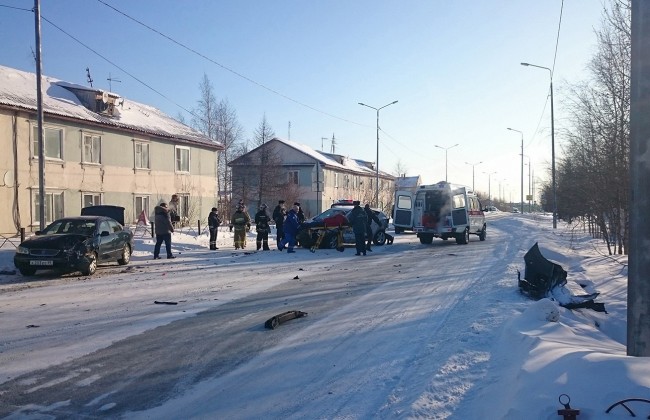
(332, 160)
(407, 181)
(18, 89)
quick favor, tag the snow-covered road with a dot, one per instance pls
(410, 331)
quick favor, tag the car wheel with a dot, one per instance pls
(332, 242)
(126, 256)
(463, 237)
(91, 265)
(380, 238)
(27, 271)
(483, 234)
(305, 240)
(426, 239)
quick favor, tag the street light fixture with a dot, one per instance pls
(377, 162)
(522, 167)
(473, 165)
(445, 149)
(550, 72)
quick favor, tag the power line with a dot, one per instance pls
(236, 73)
(16, 8)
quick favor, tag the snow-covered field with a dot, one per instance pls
(411, 331)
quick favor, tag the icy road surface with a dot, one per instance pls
(410, 331)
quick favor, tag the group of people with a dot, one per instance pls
(287, 225)
(361, 221)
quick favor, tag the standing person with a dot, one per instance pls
(301, 215)
(213, 224)
(291, 226)
(358, 219)
(279, 214)
(163, 228)
(241, 222)
(173, 209)
(262, 227)
(370, 216)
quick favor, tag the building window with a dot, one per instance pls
(91, 199)
(52, 143)
(182, 159)
(336, 180)
(293, 177)
(142, 155)
(141, 205)
(346, 182)
(92, 148)
(53, 206)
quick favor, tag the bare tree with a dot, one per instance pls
(593, 180)
(218, 121)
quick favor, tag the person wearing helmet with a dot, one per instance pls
(241, 222)
(262, 227)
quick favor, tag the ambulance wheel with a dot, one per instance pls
(463, 237)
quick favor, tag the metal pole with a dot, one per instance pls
(553, 157)
(377, 166)
(39, 111)
(638, 293)
(522, 173)
(377, 163)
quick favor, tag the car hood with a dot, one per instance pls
(55, 241)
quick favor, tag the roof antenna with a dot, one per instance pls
(90, 79)
(333, 144)
(111, 80)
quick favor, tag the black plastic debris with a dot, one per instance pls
(546, 279)
(540, 275)
(273, 322)
(159, 302)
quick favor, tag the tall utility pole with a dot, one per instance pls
(377, 162)
(522, 167)
(39, 111)
(638, 286)
(473, 165)
(445, 149)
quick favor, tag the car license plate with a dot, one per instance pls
(41, 262)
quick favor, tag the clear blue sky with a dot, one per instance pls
(452, 65)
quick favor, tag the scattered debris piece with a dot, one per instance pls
(161, 302)
(546, 279)
(33, 326)
(273, 322)
(296, 278)
(300, 269)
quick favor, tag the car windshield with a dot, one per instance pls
(80, 227)
(329, 213)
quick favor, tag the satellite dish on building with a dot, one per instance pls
(104, 97)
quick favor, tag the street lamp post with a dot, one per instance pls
(489, 174)
(377, 162)
(522, 167)
(529, 187)
(550, 72)
(445, 149)
(473, 165)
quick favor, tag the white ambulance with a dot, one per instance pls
(441, 210)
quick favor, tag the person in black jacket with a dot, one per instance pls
(279, 213)
(370, 216)
(262, 227)
(213, 224)
(163, 228)
(358, 219)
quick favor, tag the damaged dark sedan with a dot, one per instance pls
(75, 244)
